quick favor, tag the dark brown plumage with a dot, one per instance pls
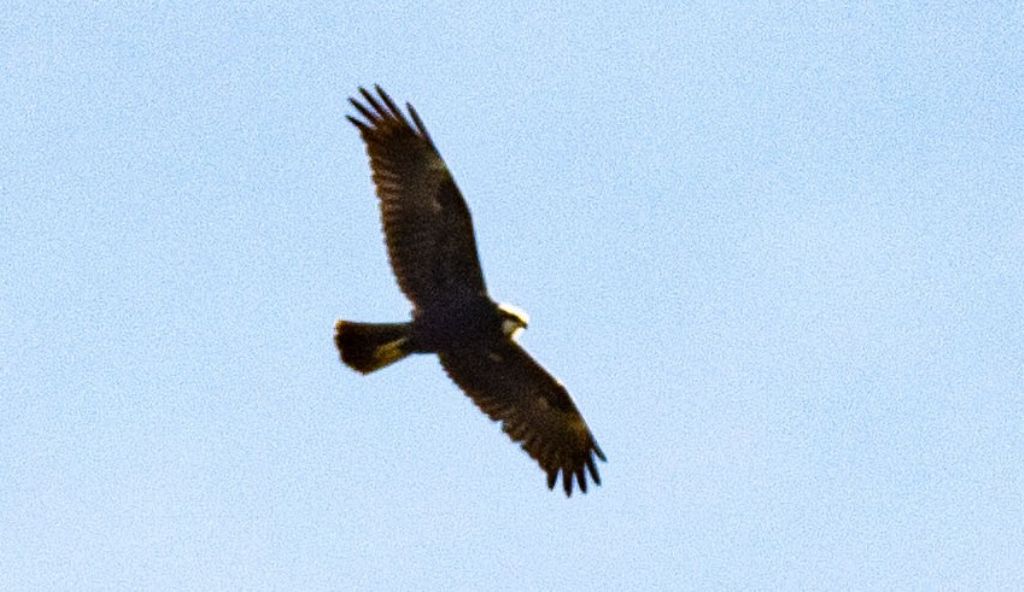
(432, 250)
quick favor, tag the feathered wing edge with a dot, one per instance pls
(427, 225)
(379, 113)
(534, 408)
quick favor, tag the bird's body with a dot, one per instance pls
(432, 251)
(448, 327)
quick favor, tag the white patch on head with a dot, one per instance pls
(514, 311)
(511, 329)
(514, 320)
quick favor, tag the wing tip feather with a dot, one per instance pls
(382, 108)
(577, 471)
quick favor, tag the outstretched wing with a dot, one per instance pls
(534, 408)
(427, 225)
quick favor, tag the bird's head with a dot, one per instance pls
(513, 320)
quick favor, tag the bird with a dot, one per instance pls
(432, 250)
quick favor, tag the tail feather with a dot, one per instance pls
(366, 347)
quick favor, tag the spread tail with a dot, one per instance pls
(366, 347)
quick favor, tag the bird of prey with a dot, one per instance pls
(432, 250)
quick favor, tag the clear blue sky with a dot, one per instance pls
(775, 254)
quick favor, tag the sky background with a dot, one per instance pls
(774, 253)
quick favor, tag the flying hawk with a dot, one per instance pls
(432, 251)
